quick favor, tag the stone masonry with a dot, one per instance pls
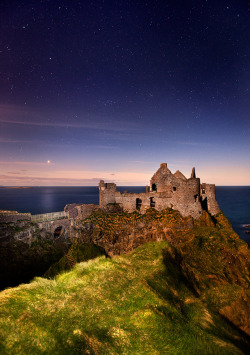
(166, 190)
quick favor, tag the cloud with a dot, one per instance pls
(31, 163)
(34, 180)
(141, 162)
(6, 140)
(196, 143)
(45, 178)
(13, 172)
(18, 115)
(62, 145)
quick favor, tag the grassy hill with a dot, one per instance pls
(188, 298)
(130, 304)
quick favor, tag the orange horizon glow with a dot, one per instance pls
(49, 174)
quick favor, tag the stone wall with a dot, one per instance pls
(80, 211)
(169, 191)
(106, 193)
(128, 200)
(13, 216)
(208, 197)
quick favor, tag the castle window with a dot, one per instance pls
(195, 197)
(203, 191)
(154, 187)
(174, 188)
(152, 202)
(138, 203)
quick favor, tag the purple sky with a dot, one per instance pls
(110, 89)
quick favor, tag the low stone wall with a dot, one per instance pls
(80, 211)
(49, 216)
(13, 216)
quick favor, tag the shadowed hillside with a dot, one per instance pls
(186, 295)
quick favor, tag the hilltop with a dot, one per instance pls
(188, 293)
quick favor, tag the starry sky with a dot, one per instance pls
(107, 89)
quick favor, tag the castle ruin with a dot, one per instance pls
(166, 190)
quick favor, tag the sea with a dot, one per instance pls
(234, 201)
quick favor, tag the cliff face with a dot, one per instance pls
(121, 232)
(26, 251)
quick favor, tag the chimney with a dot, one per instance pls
(193, 176)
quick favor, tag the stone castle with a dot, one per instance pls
(166, 190)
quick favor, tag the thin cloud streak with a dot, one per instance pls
(34, 180)
(197, 144)
(95, 126)
(10, 115)
(30, 163)
(3, 140)
(68, 144)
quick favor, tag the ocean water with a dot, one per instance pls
(234, 201)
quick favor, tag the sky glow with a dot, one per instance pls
(109, 90)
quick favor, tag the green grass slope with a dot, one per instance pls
(149, 301)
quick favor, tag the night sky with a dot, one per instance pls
(94, 90)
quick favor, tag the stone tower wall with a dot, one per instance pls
(106, 193)
(186, 198)
(208, 192)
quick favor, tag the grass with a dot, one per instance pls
(138, 303)
(188, 297)
(77, 252)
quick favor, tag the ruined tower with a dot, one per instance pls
(106, 193)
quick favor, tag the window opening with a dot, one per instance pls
(154, 187)
(152, 202)
(138, 203)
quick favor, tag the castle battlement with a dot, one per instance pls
(166, 190)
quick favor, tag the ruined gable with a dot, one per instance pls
(179, 175)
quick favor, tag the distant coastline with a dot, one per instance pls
(16, 187)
